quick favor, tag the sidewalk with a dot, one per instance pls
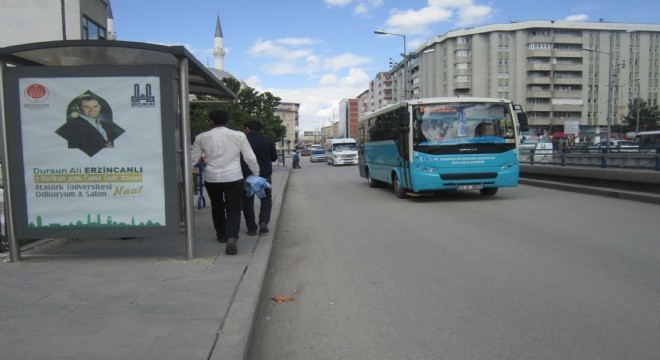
(136, 298)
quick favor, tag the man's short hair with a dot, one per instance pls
(253, 125)
(219, 117)
(80, 100)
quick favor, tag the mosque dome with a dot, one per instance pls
(221, 74)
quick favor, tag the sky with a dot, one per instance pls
(319, 52)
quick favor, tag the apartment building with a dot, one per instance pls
(289, 113)
(28, 21)
(559, 71)
(347, 119)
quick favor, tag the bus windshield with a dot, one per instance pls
(461, 123)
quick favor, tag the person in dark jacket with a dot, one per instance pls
(264, 149)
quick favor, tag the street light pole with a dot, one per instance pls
(609, 99)
(638, 106)
(609, 90)
(405, 61)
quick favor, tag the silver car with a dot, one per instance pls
(317, 155)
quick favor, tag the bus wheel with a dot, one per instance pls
(372, 183)
(398, 190)
(488, 191)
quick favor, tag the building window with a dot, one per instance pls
(463, 40)
(462, 66)
(463, 53)
(92, 30)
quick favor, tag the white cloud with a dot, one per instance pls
(473, 14)
(363, 7)
(297, 41)
(360, 9)
(286, 56)
(462, 12)
(253, 81)
(330, 78)
(339, 3)
(344, 60)
(578, 17)
(329, 91)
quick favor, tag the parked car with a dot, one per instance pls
(306, 151)
(615, 146)
(317, 155)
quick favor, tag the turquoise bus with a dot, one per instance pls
(454, 143)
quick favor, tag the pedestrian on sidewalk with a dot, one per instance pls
(296, 160)
(264, 150)
(221, 149)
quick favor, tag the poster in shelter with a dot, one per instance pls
(92, 151)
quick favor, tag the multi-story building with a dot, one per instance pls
(559, 71)
(288, 112)
(28, 21)
(347, 119)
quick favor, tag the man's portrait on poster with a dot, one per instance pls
(89, 125)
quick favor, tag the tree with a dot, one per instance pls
(649, 116)
(250, 105)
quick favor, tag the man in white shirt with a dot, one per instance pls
(221, 149)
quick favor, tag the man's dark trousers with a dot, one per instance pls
(265, 206)
(226, 205)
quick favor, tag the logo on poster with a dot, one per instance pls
(143, 100)
(36, 95)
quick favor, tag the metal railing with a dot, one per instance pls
(628, 158)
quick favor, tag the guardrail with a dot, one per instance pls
(625, 159)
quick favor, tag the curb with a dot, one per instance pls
(235, 334)
(593, 190)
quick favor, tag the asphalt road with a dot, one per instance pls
(530, 273)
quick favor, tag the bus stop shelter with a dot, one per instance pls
(136, 178)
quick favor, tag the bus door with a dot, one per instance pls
(404, 148)
(360, 145)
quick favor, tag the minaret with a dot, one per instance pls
(112, 35)
(218, 49)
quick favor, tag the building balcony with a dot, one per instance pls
(567, 40)
(567, 80)
(576, 94)
(539, 80)
(539, 66)
(539, 53)
(462, 46)
(462, 85)
(463, 72)
(538, 121)
(540, 38)
(567, 67)
(568, 108)
(538, 107)
(541, 94)
(567, 53)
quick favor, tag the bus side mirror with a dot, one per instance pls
(522, 121)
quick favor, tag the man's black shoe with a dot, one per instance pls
(263, 227)
(231, 247)
(221, 239)
(252, 232)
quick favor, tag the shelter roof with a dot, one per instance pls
(116, 53)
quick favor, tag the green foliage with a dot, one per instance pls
(250, 105)
(649, 116)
